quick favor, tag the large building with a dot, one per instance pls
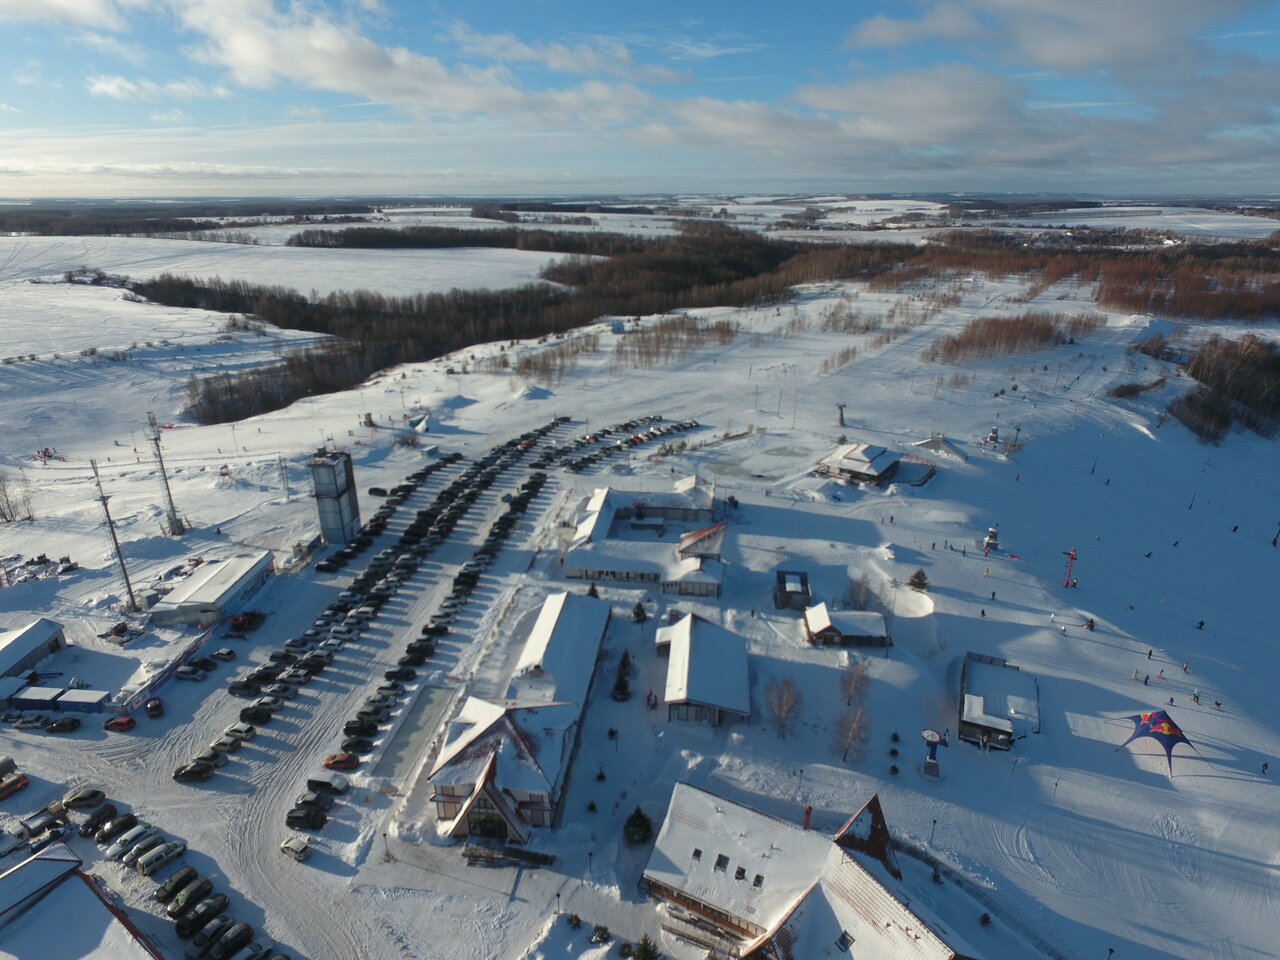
(741, 883)
(334, 482)
(214, 591)
(22, 649)
(657, 538)
(503, 763)
(707, 676)
(860, 462)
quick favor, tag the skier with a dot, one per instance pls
(1195, 696)
(1265, 765)
(993, 594)
(1146, 680)
(1217, 704)
(1149, 652)
(1184, 668)
(1170, 703)
(1064, 629)
(1200, 625)
(1160, 675)
(982, 612)
(1135, 675)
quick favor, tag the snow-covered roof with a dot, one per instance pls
(940, 444)
(699, 492)
(69, 921)
(212, 581)
(705, 839)
(849, 623)
(559, 657)
(864, 458)
(641, 556)
(1000, 697)
(707, 664)
(706, 542)
(84, 696)
(34, 877)
(41, 694)
(529, 741)
(16, 644)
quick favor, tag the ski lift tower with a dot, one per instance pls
(102, 499)
(335, 492)
(172, 522)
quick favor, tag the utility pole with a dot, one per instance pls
(1071, 559)
(111, 529)
(840, 407)
(284, 476)
(173, 522)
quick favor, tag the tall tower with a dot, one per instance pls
(335, 492)
(173, 523)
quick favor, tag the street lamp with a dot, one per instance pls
(931, 829)
(557, 901)
(386, 849)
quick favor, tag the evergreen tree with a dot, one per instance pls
(592, 591)
(638, 829)
(638, 614)
(918, 580)
(645, 949)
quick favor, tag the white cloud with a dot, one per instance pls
(88, 13)
(946, 21)
(121, 88)
(6, 108)
(605, 57)
(174, 116)
(112, 46)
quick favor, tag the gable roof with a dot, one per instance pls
(708, 664)
(864, 458)
(16, 644)
(848, 623)
(706, 542)
(559, 657)
(487, 787)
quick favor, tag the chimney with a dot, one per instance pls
(808, 812)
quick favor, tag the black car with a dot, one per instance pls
(313, 663)
(329, 566)
(255, 714)
(116, 826)
(305, 818)
(400, 673)
(207, 664)
(360, 728)
(154, 707)
(204, 911)
(424, 647)
(357, 745)
(434, 630)
(64, 725)
(321, 801)
(187, 898)
(230, 942)
(197, 771)
(96, 819)
(412, 660)
(282, 656)
(244, 688)
(169, 889)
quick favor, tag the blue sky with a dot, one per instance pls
(320, 97)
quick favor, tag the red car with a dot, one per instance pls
(120, 724)
(341, 761)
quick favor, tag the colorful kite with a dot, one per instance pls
(1158, 725)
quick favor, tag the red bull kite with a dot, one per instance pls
(1160, 727)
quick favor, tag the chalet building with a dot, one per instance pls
(791, 590)
(999, 703)
(504, 763)
(22, 649)
(860, 463)
(740, 883)
(707, 675)
(845, 627)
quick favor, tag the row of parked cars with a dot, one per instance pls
(624, 436)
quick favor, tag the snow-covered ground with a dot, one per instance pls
(1071, 845)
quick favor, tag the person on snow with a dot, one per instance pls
(1146, 680)
(1170, 703)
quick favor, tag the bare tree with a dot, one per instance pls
(859, 595)
(783, 701)
(15, 500)
(850, 733)
(853, 679)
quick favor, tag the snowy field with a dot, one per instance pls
(1071, 845)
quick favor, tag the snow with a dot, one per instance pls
(1068, 844)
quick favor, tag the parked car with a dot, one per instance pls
(254, 950)
(169, 889)
(226, 654)
(187, 898)
(360, 728)
(241, 731)
(305, 818)
(120, 724)
(207, 936)
(195, 772)
(207, 664)
(282, 691)
(231, 941)
(379, 700)
(116, 826)
(84, 798)
(297, 676)
(412, 660)
(283, 656)
(321, 801)
(376, 714)
(149, 842)
(269, 703)
(204, 911)
(161, 856)
(296, 847)
(36, 721)
(225, 744)
(256, 715)
(400, 673)
(392, 688)
(154, 707)
(96, 819)
(125, 840)
(243, 688)
(216, 758)
(341, 761)
(357, 745)
(187, 672)
(64, 725)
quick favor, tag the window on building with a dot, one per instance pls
(722, 862)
